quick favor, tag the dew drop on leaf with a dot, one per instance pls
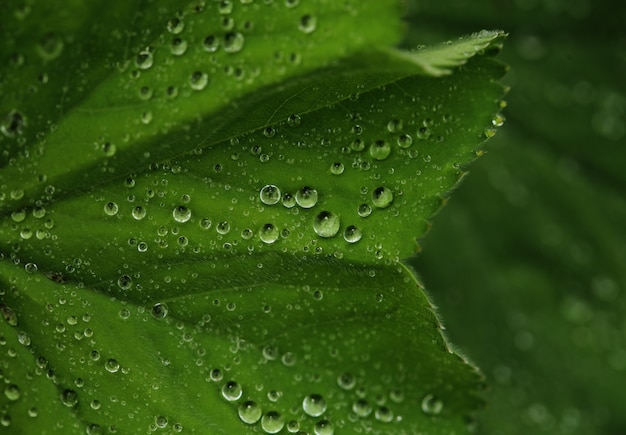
(288, 200)
(405, 140)
(178, 47)
(175, 26)
(181, 214)
(337, 168)
(324, 427)
(352, 234)
(12, 392)
(211, 43)
(380, 150)
(306, 197)
(269, 194)
(233, 42)
(232, 391)
(382, 197)
(272, 422)
(159, 310)
(144, 59)
(307, 24)
(269, 233)
(111, 365)
(326, 224)
(139, 212)
(314, 405)
(383, 414)
(12, 124)
(431, 405)
(110, 208)
(362, 408)
(69, 398)
(223, 227)
(364, 210)
(249, 412)
(198, 80)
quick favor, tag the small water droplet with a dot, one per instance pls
(178, 47)
(314, 405)
(249, 412)
(198, 80)
(124, 282)
(110, 208)
(232, 391)
(357, 145)
(352, 234)
(269, 194)
(324, 427)
(307, 23)
(288, 200)
(384, 414)
(139, 212)
(144, 59)
(364, 210)
(223, 227)
(272, 422)
(362, 408)
(431, 405)
(233, 42)
(211, 43)
(69, 398)
(382, 197)
(306, 197)
(337, 168)
(294, 120)
(12, 392)
(111, 365)
(405, 141)
(380, 150)
(269, 233)
(159, 310)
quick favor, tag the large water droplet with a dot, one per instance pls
(382, 197)
(326, 224)
(232, 391)
(306, 197)
(352, 234)
(69, 398)
(269, 233)
(314, 405)
(269, 194)
(181, 214)
(380, 150)
(233, 42)
(12, 392)
(272, 422)
(110, 208)
(139, 212)
(249, 412)
(198, 80)
(324, 427)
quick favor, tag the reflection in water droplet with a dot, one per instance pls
(326, 224)
(314, 405)
(249, 412)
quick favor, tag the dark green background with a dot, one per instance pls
(528, 261)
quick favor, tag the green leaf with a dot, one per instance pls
(229, 259)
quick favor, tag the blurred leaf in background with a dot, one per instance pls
(528, 261)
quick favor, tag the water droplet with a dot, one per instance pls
(144, 59)
(269, 194)
(288, 200)
(211, 43)
(160, 421)
(431, 405)
(50, 46)
(110, 208)
(139, 212)
(198, 80)
(294, 120)
(423, 133)
(216, 375)
(306, 197)
(346, 381)
(272, 422)
(249, 412)
(314, 405)
(292, 3)
(12, 392)
(364, 210)
(326, 224)
(233, 42)
(111, 365)
(293, 426)
(352, 234)
(223, 227)
(324, 427)
(12, 124)
(384, 414)
(288, 359)
(178, 47)
(8, 315)
(405, 141)
(205, 223)
(175, 26)
(69, 398)
(382, 197)
(159, 310)
(181, 214)
(394, 126)
(357, 145)
(380, 150)
(232, 391)
(124, 282)
(307, 23)
(108, 149)
(269, 233)
(337, 168)
(498, 120)
(362, 408)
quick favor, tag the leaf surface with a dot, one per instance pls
(228, 260)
